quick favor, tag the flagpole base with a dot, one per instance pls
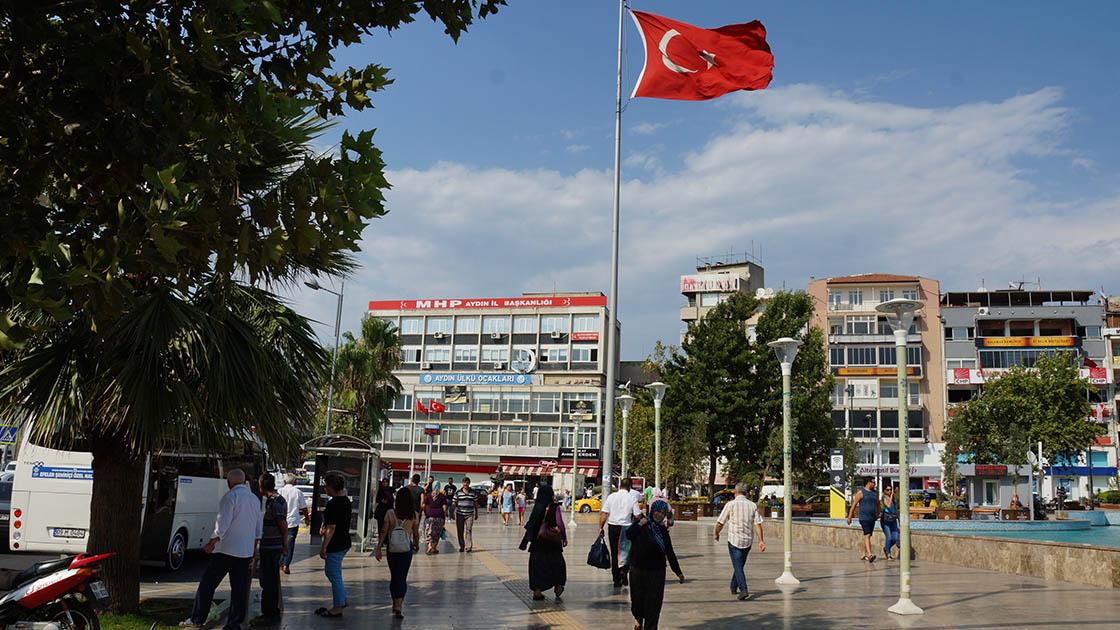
(786, 578)
(905, 606)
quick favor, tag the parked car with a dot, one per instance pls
(723, 496)
(11, 467)
(594, 504)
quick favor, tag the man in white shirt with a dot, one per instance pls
(236, 532)
(297, 511)
(744, 524)
(617, 513)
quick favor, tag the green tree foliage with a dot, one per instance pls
(1020, 408)
(156, 178)
(365, 383)
(682, 446)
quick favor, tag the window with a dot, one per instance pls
(439, 325)
(1089, 332)
(861, 356)
(836, 326)
(585, 354)
(495, 325)
(411, 325)
(866, 456)
(837, 396)
(485, 402)
(709, 299)
(960, 363)
(525, 324)
(835, 355)
(521, 353)
(991, 492)
(887, 355)
(396, 433)
(888, 390)
(548, 437)
(410, 354)
(913, 355)
(515, 402)
(915, 393)
(466, 325)
(426, 397)
(585, 323)
(437, 354)
(453, 435)
(403, 402)
(554, 323)
(909, 294)
(861, 325)
(466, 354)
(864, 388)
(515, 436)
(495, 354)
(546, 402)
(588, 438)
(588, 396)
(554, 354)
(484, 435)
(959, 333)
(886, 295)
(835, 298)
(855, 296)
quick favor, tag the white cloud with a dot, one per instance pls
(641, 159)
(647, 128)
(577, 148)
(825, 183)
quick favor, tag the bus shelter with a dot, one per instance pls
(359, 463)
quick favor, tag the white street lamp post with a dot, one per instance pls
(900, 316)
(314, 284)
(575, 472)
(658, 389)
(786, 350)
(625, 401)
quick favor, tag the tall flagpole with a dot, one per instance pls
(612, 307)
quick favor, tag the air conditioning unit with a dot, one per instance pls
(499, 365)
(556, 334)
(495, 335)
(438, 335)
(983, 310)
(425, 366)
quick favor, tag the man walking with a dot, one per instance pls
(744, 524)
(617, 513)
(465, 510)
(867, 502)
(236, 532)
(415, 489)
(297, 511)
(274, 547)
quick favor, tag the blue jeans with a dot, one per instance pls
(333, 569)
(286, 561)
(738, 561)
(891, 537)
(399, 563)
(216, 570)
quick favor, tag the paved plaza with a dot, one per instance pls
(489, 589)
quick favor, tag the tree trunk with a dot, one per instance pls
(711, 472)
(114, 520)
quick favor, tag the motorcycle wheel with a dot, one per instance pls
(83, 615)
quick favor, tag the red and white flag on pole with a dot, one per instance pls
(690, 63)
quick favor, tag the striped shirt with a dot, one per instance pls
(465, 503)
(739, 518)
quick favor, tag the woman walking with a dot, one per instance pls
(384, 503)
(336, 541)
(546, 537)
(507, 505)
(435, 511)
(889, 520)
(521, 507)
(650, 548)
(402, 530)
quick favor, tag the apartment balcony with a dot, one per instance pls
(872, 339)
(690, 313)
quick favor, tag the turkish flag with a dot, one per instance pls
(690, 63)
(421, 408)
(437, 407)
(1087, 362)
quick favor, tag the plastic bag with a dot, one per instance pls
(600, 555)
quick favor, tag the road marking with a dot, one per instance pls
(546, 611)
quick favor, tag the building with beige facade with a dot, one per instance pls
(861, 356)
(716, 279)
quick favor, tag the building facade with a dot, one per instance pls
(716, 279)
(861, 356)
(520, 381)
(988, 332)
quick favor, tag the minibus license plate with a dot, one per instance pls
(68, 532)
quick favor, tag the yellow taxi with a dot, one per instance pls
(594, 504)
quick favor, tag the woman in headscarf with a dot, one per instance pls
(546, 537)
(650, 548)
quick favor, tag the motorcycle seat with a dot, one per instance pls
(40, 569)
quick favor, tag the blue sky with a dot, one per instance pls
(954, 140)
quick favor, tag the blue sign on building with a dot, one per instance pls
(39, 471)
(8, 435)
(473, 378)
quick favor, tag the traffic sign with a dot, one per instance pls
(8, 435)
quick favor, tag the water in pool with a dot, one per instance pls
(1098, 536)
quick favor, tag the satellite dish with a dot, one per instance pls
(769, 293)
(760, 293)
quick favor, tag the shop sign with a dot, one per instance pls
(718, 282)
(892, 470)
(488, 303)
(991, 470)
(584, 453)
(875, 371)
(585, 336)
(471, 378)
(1027, 342)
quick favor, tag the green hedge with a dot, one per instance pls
(1109, 496)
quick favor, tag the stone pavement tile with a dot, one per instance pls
(489, 589)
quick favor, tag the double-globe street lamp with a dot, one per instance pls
(625, 401)
(314, 284)
(658, 388)
(900, 316)
(786, 350)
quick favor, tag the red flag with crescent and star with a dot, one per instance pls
(421, 408)
(686, 62)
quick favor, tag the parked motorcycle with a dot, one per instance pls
(59, 594)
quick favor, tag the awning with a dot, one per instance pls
(513, 469)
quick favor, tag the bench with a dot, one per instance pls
(986, 512)
(950, 513)
(921, 511)
(1015, 514)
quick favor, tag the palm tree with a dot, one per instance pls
(200, 369)
(366, 383)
